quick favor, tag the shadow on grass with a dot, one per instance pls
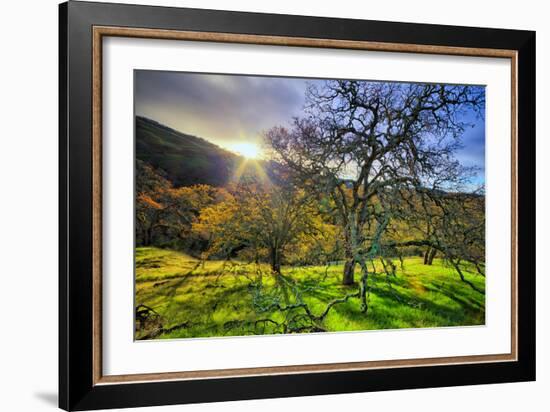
(398, 308)
(210, 297)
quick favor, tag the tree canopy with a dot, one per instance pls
(379, 151)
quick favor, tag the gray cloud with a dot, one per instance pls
(221, 108)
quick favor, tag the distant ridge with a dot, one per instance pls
(186, 159)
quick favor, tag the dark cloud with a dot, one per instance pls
(220, 108)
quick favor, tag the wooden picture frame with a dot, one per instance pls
(83, 26)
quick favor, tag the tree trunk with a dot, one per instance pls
(349, 271)
(431, 256)
(147, 235)
(426, 256)
(350, 247)
(275, 260)
(363, 287)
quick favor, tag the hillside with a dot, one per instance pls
(186, 159)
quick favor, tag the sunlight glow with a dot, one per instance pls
(246, 149)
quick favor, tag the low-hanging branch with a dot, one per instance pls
(305, 307)
(452, 260)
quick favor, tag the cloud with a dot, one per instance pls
(220, 108)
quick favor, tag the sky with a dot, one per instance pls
(232, 111)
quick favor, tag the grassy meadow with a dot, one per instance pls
(185, 297)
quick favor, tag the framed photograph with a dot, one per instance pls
(257, 205)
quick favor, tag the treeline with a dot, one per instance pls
(247, 220)
(281, 224)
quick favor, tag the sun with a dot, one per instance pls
(246, 149)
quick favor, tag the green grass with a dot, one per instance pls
(215, 298)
